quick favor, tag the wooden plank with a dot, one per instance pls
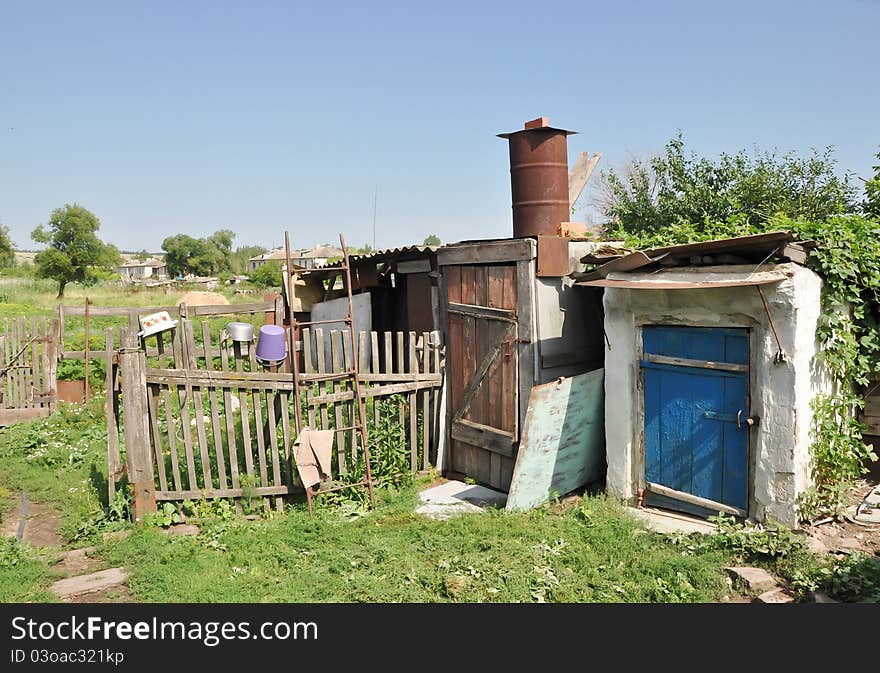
(400, 365)
(525, 351)
(273, 437)
(322, 369)
(158, 453)
(286, 456)
(512, 250)
(488, 312)
(353, 413)
(52, 355)
(563, 440)
(35, 362)
(6, 399)
(483, 436)
(233, 309)
(374, 354)
(137, 443)
(216, 432)
(258, 422)
(221, 493)
(363, 352)
(230, 420)
(336, 351)
(48, 385)
(426, 405)
(495, 378)
(198, 404)
(436, 431)
(580, 175)
(247, 446)
(691, 499)
(11, 416)
(372, 392)
(412, 408)
(700, 364)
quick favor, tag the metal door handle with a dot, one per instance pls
(750, 420)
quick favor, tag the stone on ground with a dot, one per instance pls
(776, 595)
(754, 580)
(665, 522)
(78, 562)
(455, 497)
(83, 584)
(116, 535)
(183, 529)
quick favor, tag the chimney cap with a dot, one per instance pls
(539, 124)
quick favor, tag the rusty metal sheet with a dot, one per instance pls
(672, 284)
(562, 446)
(756, 248)
(552, 257)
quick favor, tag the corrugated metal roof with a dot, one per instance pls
(405, 252)
(756, 249)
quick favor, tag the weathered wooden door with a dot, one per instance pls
(696, 413)
(482, 364)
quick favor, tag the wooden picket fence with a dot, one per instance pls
(28, 371)
(214, 423)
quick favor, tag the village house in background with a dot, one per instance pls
(136, 271)
(314, 258)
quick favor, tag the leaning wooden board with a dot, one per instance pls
(563, 440)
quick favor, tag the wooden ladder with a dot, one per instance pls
(357, 424)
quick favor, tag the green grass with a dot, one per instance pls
(593, 553)
(24, 576)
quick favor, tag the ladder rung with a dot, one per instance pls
(339, 488)
(310, 377)
(344, 428)
(322, 322)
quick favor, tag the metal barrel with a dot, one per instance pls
(539, 180)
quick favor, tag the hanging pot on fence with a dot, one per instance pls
(240, 331)
(155, 323)
(272, 345)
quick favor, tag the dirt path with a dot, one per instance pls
(86, 577)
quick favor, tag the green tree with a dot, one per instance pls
(75, 253)
(238, 262)
(7, 253)
(433, 240)
(200, 256)
(267, 275)
(679, 187)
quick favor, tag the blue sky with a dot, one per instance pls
(188, 117)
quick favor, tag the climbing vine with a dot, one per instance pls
(848, 259)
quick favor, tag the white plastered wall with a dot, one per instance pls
(780, 393)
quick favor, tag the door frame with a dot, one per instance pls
(638, 458)
(520, 252)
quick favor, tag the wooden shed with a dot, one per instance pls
(509, 326)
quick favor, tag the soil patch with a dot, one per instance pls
(41, 528)
(199, 298)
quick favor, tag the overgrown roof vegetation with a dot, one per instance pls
(679, 197)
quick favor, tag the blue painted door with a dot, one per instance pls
(693, 442)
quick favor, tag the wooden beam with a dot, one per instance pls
(580, 175)
(482, 312)
(484, 436)
(711, 505)
(488, 252)
(700, 364)
(10, 416)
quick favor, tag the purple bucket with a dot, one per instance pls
(271, 347)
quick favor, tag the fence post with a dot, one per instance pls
(55, 340)
(136, 425)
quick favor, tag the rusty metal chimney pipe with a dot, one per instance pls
(538, 178)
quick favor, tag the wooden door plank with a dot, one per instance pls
(217, 435)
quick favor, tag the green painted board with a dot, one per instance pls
(562, 446)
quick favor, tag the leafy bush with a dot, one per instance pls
(267, 275)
